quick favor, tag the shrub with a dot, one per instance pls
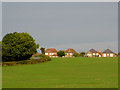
(31, 58)
(61, 53)
(43, 59)
(82, 54)
(76, 54)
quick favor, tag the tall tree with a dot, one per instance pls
(18, 46)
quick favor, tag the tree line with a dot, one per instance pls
(61, 53)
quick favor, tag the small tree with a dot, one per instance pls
(82, 54)
(42, 50)
(61, 53)
(76, 54)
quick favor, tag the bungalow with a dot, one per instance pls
(69, 52)
(52, 52)
(108, 53)
(92, 53)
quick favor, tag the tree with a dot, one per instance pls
(18, 46)
(82, 54)
(61, 53)
(42, 50)
(76, 54)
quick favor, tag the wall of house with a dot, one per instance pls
(108, 55)
(51, 54)
(68, 54)
(90, 54)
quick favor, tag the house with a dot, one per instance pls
(52, 52)
(92, 53)
(69, 52)
(108, 53)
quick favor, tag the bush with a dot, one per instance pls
(76, 54)
(82, 54)
(43, 59)
(31, 58)
(61, 53)
(18, 46)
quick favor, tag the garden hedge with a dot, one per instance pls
(35, 61)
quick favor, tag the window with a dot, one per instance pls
(104, 55)
(46, 53)
(99, 55)
(111, 55)
(70, 53)
(93, 53)
(50, 53)
(96, 53)
(89, 54)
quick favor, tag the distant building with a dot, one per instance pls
(69, 52)
(108, 53)
(92, 53)
(52, 52)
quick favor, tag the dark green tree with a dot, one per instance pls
(76, 54)
(18, 46)
(42, 50)
(82, 54)
(60, 53)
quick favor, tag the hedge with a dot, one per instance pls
(35, 61)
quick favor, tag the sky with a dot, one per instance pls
(76, 25)
(60, 0)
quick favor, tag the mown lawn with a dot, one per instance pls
(63, 73)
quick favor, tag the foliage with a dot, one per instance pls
(61, 53)
(76, 54)
(31, 58)
(42, 50)
(18, 46)
(82, 54)
(42, 59)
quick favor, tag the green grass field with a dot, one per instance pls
(63, 73)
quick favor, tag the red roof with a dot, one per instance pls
(107, 51)
(70, 50)
(51, 50)
(93, 51)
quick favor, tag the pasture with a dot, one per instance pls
(76, 72)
